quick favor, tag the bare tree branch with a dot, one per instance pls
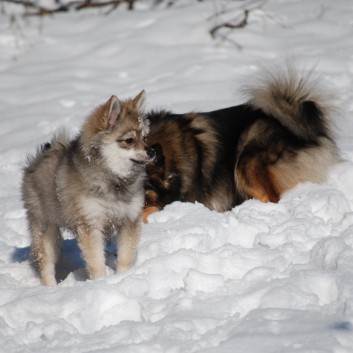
(240, 24)
(34, 9)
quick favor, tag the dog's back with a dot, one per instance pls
(38, 188)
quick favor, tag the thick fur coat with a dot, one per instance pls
(92, 185)
(279, 137)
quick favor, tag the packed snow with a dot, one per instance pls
(260, 278)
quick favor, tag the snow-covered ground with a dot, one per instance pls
(261, 278)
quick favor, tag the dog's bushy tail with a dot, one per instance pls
(297, 102)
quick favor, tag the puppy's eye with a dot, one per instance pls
(129, 141)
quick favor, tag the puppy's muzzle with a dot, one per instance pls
(144, 157)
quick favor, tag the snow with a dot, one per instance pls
(260, 278)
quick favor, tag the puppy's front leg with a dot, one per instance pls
(91, 243)
(128, 238)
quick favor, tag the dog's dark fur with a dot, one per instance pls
(280, 137)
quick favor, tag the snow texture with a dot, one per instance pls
(260, 278)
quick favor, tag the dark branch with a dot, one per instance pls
(34, 9)
(240, 24)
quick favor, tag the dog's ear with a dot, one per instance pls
(111, 111)
(139, 99)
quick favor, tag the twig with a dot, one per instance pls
(16, 28)
(241, 24)
(34, 9)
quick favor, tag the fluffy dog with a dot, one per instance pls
(92, 185)
(280, 137)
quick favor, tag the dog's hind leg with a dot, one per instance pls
(128, 238)
(46, 244)
(308, 164)
(266, 175)
(91, 243)
(255, 178)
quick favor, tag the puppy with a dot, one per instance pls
(279, 137)
(91, 185)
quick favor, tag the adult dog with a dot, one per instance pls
(279, 137)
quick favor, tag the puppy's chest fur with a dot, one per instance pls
(91, 194)
(103, 212)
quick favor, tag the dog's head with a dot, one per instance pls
(117, 131)
(162, 186)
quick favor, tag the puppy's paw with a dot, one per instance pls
(123, 268)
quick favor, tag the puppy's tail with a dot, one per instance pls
(60, 139)
(296, 102)
(59, 142)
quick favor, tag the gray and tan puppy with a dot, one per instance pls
(91, 185)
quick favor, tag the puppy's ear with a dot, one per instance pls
(139, 99)
(111, 111)
(114, 110)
